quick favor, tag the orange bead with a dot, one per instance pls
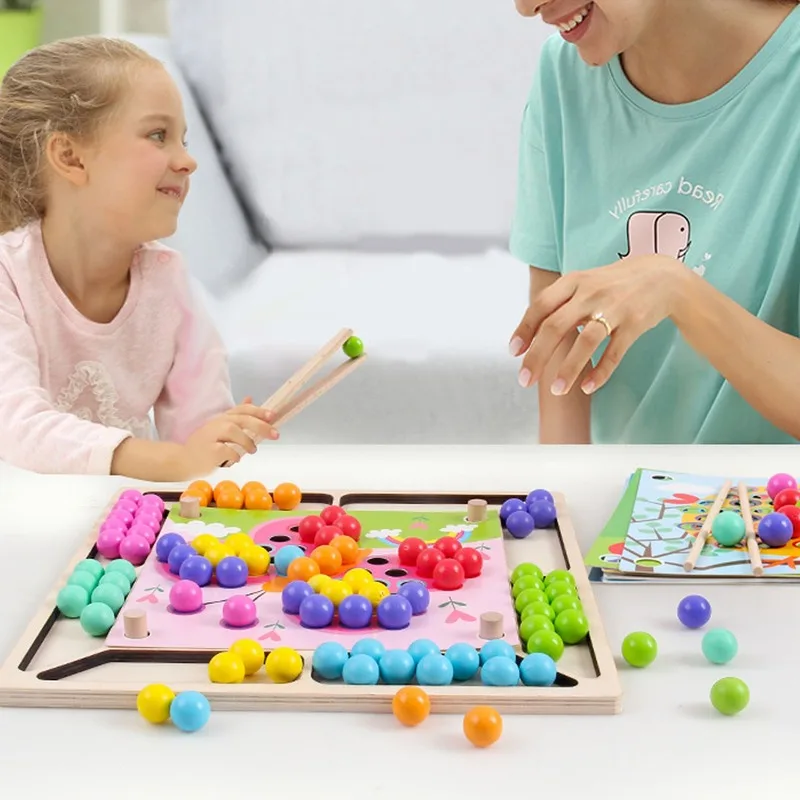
(302, 569)
(328, 558)
(198, 493)
(223, 486)
(252, 485)
(259, 499)
(347, 546)
(287, 496)
(483, 726)
(411, 705)
(229, 498)
(204, 487)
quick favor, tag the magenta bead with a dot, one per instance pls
(779, 482)
(152, 501)
(134, 495)
(108, 542)
(146, 532)
(239, 611)
(126, 505)
(122, 516)
(186, 597)
(114, 525)
(134, 548)
(152, 521)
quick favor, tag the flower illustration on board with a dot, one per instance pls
(151, 595)
(272, 631)
(456, 614)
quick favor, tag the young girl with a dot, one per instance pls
(658, 209)
(98, 326)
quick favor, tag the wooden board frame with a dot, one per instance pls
(117, 682)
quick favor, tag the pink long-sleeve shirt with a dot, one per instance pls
(71, 390)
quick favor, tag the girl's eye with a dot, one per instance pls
(160, 135)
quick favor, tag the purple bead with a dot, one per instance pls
(177, 555)
(394, 612)
(134, 495)
(539, 494)
(416, 592)
(232, 572)
(775, 529)
(293, 595)
(509, 507)
(520, 524)
(197, 569)
(126, 505)
(543, 513)
(694, 611)
(316, 611)
(165, 544)
(355, 611)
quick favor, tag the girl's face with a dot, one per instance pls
(601, 29)
(137, 174)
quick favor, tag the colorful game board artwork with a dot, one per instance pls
(451, 616)
(670, 509)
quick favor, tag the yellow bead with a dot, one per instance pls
(256, 558)
(154, 702)
(217, 552)
(204, 542)
(374, 592)
(226, 668)
(283, 665)
(357, 577)
(251, 653)
(317, 582)
(238, 542)
(336, 591)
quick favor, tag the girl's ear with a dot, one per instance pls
(64, 157)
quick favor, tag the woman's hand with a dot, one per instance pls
(621, 301)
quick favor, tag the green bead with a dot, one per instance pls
(109, 594)
(547, 642)
(526, 582)
(730, 696)
(541, 607)
(719, 646)
(639, 649)
(533, 623)
(559, 575)
(556, 588)
(572, 626)
(97, 619)
(353, 347)
(117, 579)
(565, 601)
(728, 528)
(84, 579)
(92, 566)
(526, 569)
(123, 566)
(528, 596)
(71, 600)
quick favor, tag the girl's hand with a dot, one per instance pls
(621, 301)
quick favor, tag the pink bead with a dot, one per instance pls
(126, 505)
(108, 542)
(137, 529)
(133, 495)
(153, 501)
(779, 482)
(134, 548)
(148, 521)
(122, 516)
(186, 597)
(239, 611)
(114, 525)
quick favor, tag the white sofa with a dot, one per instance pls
(358, 168)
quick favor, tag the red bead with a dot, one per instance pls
(786, 497)
(330, 514)
(348, 525)
(409, 551)
(427, 560)
(793, 512)
(325, 535)
(448, 575)
(471, 560)
(449, 545)
(308, 527)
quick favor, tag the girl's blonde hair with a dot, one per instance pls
(70, 87)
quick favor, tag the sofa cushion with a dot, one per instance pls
(365, 124)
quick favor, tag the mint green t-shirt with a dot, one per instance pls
(605, 172)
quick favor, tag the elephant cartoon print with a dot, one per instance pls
(665, 233)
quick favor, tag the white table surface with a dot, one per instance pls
(667, 741)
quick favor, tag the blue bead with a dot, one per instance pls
(538, 669)
(520, 524)
(497, 647)
(543, 513)
(189, 711)
(232, 572)
(165, 544)
(539, 494)
(397, 666)
(285, 556)
(416, 592)
(420, 648)
(293, 595)
(465, 660)
(355, 611)
(368, 647)
(509, 507)
(316, 611)
(434, 669)
(328, 660)
(499, 671)
(694, 611)
(179, 554)
(361, 669)
(197, 569)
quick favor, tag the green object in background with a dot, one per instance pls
(20, 31)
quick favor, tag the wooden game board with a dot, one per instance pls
(57, 664)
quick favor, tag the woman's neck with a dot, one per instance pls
(91, 267)
(694, 47)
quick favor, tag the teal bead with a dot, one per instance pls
(117, 579)
(83, 579)
(719, 646)
(71, 600)
(97, 619)
(728, 528)
(90, 565)
(123, 566)
(109, 594)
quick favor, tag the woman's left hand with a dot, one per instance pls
(621, 301)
